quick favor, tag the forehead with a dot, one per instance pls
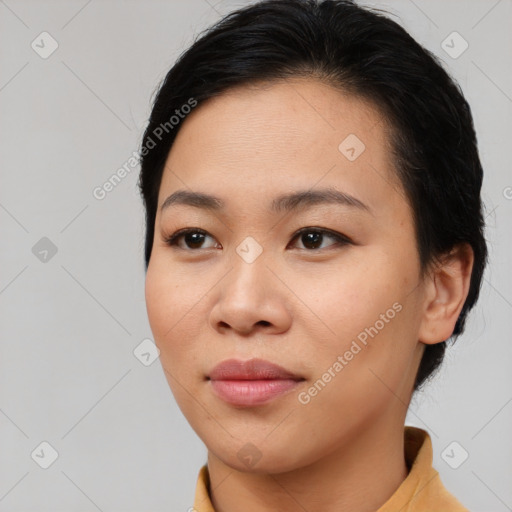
(267, 138)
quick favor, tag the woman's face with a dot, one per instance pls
(344, 317)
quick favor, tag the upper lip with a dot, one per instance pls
(253, 369)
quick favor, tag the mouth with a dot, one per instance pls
(250, 383)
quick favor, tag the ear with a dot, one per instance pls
(446, 287)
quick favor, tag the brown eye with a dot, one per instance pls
(193, 238)
(312, 239)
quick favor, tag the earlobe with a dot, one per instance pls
(446, 292)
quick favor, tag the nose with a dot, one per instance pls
(251, 298)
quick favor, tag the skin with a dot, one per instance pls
(299, 305)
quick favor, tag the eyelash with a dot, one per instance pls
(341, 240)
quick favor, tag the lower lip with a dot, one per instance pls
(251, 392)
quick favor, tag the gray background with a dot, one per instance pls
(70, 324)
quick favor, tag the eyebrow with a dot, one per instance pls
(299, 200)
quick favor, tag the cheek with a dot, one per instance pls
(173, 309)
(172, 301)
(160, 300)
(365, 313)
(346, 297)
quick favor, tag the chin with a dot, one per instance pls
(258, 457)
(263, 466)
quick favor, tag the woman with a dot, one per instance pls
(314, 236)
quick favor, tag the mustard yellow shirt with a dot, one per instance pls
(421, 491)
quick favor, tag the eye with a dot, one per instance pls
(192, 237)
(311, 238)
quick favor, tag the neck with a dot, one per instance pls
(360, 475)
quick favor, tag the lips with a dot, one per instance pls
(254, 369)
(251, 383)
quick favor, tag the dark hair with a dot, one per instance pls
(363, 53)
